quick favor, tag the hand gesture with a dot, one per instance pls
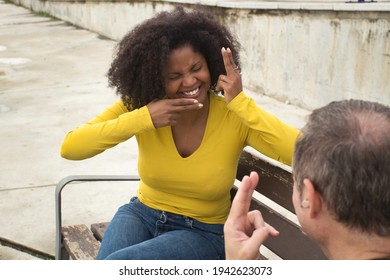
(230, 83)
(245, 231)
(166, 112)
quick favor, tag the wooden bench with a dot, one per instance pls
(272, 197)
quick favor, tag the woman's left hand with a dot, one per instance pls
(230, 83)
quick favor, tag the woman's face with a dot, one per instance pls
(188, 75)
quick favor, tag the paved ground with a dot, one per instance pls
(52, 78)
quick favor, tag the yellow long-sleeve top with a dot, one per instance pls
(197, 186)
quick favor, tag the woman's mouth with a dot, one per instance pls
(191, 93)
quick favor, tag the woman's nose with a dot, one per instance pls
(189, 80)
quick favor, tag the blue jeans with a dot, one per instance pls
(138, 232)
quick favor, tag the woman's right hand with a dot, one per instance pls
(166, 112)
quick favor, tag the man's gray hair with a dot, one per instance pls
(344, 149)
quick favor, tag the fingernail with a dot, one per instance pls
(228, 49)
(195, 101)
(200, 105)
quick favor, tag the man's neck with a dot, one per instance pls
(346, 244)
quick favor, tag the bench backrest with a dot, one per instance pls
(276, 184)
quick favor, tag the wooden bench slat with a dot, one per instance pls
(98, 230)
(275, 182)
(80, 242)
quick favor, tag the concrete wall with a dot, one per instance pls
(307, 54)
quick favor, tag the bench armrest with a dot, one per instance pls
(78, 178)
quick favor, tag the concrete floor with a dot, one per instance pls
(52, 79)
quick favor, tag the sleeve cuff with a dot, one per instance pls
(236, 101)
(145, 118)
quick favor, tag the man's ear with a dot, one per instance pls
(311, 198)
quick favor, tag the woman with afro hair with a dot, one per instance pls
(182, 98)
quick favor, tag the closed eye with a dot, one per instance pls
(174, 76)
(195, 68)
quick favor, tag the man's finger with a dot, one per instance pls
(259, 236)
(241, 202)
(256, 219)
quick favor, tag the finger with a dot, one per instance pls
(258, 237)
(272, 231)
(239, 205)
(254, 179)
(183, 104)
(256, 220)
(223, 79)
(235, 67)
(262, 232)
(228, 61)
(241, 202)
(175, 101)
(182, 108)
(182, 101)
(220, 82)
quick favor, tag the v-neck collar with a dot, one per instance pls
(205, 134)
